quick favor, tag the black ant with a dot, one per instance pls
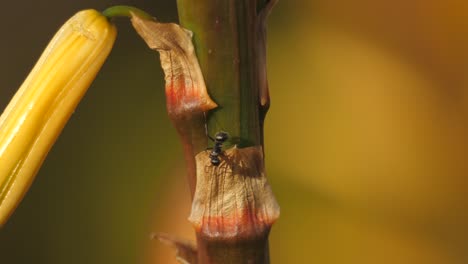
(219, 139)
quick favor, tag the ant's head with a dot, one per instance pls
(221, 136)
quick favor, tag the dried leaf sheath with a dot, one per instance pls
(185, 87)
(233, 200)
(187, 98)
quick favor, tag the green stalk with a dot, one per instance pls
(125, 11)
(225, 36)
(230, 45)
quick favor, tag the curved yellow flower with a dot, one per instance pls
(40, 109)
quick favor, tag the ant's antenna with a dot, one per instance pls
(206, 127)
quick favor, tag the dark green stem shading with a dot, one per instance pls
(225, 39)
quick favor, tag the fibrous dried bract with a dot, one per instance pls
(233, 199)
(185, 87)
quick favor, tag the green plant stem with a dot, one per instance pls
(226, 40)
(225, 35)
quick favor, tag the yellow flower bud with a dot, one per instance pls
(40, 109)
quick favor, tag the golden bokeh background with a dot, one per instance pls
(366, 140)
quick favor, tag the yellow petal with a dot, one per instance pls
(40, 109)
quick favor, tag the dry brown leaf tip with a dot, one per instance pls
(186, 91)
(186, 251)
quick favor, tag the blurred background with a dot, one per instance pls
(365, 141)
